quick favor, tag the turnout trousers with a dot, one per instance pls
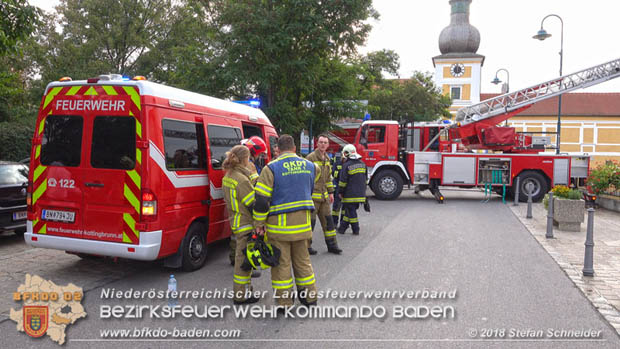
(241, 279)
(321, 209)
(293, 254)
(350, 218)
(336, 209)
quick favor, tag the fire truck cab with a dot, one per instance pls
(133, 169)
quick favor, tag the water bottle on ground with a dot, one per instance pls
(172, 287)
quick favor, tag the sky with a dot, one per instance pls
(412, 28)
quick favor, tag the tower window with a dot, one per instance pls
(455, 92)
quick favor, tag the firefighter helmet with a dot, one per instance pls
(256, 145)
(259, 254)
(350, 152)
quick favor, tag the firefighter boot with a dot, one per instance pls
(332, 246)
(311, 251)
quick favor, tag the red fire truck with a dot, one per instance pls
(474, 151)
(133, 169)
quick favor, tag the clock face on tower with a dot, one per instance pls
(457, 70)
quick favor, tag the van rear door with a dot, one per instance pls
(112, 175)
(86, 179)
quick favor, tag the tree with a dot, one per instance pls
(414, 99)
(99, 37)
(17, 21)
(278, 49)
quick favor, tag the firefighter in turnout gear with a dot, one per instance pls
(239, 198)
(258, 150)
(351, 188)
(282, 212)
(323, 196)
(337, 162)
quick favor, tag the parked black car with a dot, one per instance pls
(13, 186)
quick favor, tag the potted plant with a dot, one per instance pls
(604, 181)
(568, 208)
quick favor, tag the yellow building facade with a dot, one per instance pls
(590, 123)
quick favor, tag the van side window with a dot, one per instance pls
(184, 144)
(61, 144)
(252, 130)
(114, 143)
(273, 144)
(221, 139)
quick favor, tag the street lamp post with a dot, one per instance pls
(542, 35)
(498, 81)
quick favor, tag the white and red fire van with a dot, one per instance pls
(133, 169)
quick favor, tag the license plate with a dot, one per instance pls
(18, 216)
(61, 216)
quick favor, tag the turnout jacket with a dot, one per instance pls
(352, 181)
(284, 198)
(239, 198)
(323, 185)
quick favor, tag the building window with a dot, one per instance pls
(455, 92)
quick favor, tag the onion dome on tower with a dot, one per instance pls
(458, 68)
(459, 36)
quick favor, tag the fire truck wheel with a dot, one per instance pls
(194, 248)
(540, 186)
(387, 185)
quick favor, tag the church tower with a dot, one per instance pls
(458, 68)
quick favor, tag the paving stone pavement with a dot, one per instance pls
(568, 249)
(18, 259)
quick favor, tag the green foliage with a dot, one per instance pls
(15, 140)
(564, 192)
(604, 178)
(17, 21)
(417, 99)
(280, 50)
(574, 194)
(100, 37)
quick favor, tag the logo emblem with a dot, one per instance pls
(51, 182)
(36, 319)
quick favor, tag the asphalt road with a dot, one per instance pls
(506, 286)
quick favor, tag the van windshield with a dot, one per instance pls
(61, 144)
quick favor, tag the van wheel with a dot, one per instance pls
(19, 231)
(540, 187)
(194, 249)
(387, 185)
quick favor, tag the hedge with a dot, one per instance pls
(15, 140)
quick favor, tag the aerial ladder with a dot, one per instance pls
(472, 122)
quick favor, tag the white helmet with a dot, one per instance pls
(350, 152)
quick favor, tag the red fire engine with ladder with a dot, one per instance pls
(430, 155)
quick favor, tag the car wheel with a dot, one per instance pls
(194, 249)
